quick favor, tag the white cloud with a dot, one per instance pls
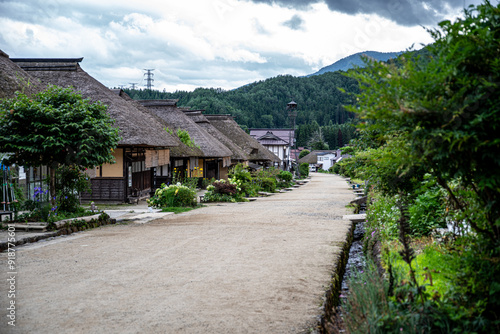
(191, 43)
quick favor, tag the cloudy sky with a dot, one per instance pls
(213, 43)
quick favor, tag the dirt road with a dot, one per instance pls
(257, 267)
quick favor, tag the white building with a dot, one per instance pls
(322, 159)
(278, 141)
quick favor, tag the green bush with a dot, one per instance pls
(175, 195)
(427, 212)
(285, 176)
(382, 215)
(70, 182)
(268, 184)
(303, 153)
(241, 176)
(266, 179)
(304, 169)
(284, 179)
(375, 305)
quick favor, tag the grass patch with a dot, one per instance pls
(104, 206)
(431, 265)
(178, 209)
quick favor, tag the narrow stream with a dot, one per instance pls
(356, 261)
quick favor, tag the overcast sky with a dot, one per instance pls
(213, 43)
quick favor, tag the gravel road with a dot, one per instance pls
(256, 267)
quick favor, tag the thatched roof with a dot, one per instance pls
(137, 127)
(238, 154)
(180, 151)
(312, 158)
(254, 150)
(176, 119)
(13, 78)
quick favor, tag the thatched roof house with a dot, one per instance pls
(176, 119)
(255, 152)
(238, 154)
(180, 151)
(136, 126)
(311, 158)
(144, 144)
(13, 79)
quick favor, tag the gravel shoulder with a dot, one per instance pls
(256, 267)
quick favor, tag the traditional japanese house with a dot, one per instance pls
(184, 159)
(223, 164)
(144, 144)
(212, 148)
(278, 141)
(13, 79)
(255, 153)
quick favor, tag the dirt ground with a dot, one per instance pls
(256, 267)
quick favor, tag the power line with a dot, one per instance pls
(149, 78)
(133, 84)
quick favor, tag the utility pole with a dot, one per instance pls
(133, 84)
(149, 78)
(291, 109)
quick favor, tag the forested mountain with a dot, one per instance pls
(321, 115)
(262, 104)
(351, 61)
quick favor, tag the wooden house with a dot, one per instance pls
(255, 153)
(278, 141)
(237, 153)
(14, 79)
(144, 144)
(215, 155)
(183, 158)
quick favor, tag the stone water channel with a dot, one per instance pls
(353, 263)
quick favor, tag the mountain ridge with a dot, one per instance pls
(353, 60)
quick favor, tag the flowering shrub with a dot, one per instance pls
(174, 195)
(224, 188)
(224, 191)
(242, 178)
(40, 210)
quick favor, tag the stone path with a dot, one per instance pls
(257, 267)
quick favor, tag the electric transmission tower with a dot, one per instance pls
(149, 78)
(133, 84)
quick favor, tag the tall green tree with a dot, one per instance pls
(448, 107)
(56, 127)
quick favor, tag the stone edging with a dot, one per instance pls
(332, 295)
(65, 227)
